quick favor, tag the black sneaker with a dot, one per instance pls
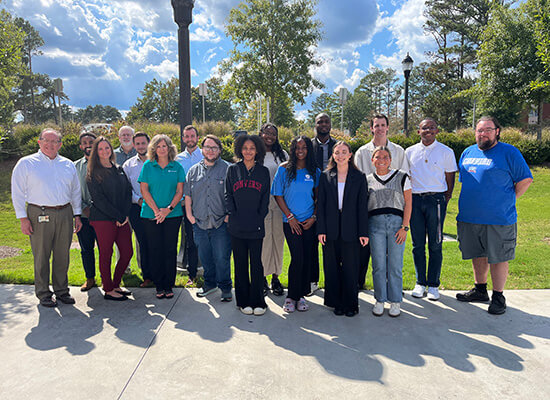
(276, 287)
(266, 287)
(473, 295)
(498, 305)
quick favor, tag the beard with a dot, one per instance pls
(87, 151)
(127, 143)
(191, 145)
(321, 133)
(485, 144)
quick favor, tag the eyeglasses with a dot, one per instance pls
(486, 130)
(50, 141)
(269, 133)
(213, 148)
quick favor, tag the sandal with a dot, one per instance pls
(302, 305)
(169, 294)
(289, 306)
(160, 295)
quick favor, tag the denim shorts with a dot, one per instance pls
(496, 242)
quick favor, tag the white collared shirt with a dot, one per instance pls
(132, 168)
(37, 179)
(363, 157)
(428, 165)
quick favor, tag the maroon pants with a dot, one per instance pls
(108, 233)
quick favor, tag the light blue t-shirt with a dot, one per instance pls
(488, 194)
(298, 194)
(162, 184)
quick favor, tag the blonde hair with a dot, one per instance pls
(152, 148)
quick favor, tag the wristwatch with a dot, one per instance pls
(170, 207)
(405, 228)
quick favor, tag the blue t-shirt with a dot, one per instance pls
(162, 184)
(298, 194)
(488, 194)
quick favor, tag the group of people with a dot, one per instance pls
(357, 206)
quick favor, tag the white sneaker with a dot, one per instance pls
(259, 311)
(433, 293)
(378, 308)
(418, 291)
(313, 288)
(395, 310)
(247, 310)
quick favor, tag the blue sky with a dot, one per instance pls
(106, 50)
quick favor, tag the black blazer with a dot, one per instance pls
(353, 222)
(318, 151)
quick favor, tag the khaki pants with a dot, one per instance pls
(51, 239)
(273, 245)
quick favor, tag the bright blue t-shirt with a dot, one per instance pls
(488, 194)
(162, 184)
(298, 194)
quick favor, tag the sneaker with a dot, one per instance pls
(289, 306)
(66, 299)
(418, 291)
(48, 302)
(395, 310)
(259, 311)
(246, 310)
(205, 291)
(276, 287)
(266, 287)
(227, 296)
(313, 288)
(90, 283)
(128, 271)
(378, 308)
(473, 295)
(498, 304)
(302, 305)
(433, 293)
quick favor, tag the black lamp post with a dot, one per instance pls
(183, 15)
(407, 64)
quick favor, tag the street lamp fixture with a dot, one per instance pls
(183, 15)
(407, 64)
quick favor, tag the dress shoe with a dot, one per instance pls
(66, 298)
(109, 297)
(48, 302)
(338, 311)
(90, 283)
(125, 292)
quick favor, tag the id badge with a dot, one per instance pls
(43, 218)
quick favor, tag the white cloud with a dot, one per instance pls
(202, 35)
(165, 70)
(353, 81)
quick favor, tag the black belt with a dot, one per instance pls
(427, 193)
(51, 207)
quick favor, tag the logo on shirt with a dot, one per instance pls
(477, 161)
(472, 169)
(251, 184)
(308, 178)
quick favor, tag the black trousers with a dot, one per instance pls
(86, 239)
(364, 256)
(301, 257)
(248, 281)
(341, 266)
(163, 251)
(139, 229)
(191, 254)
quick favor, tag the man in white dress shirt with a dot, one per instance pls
(379, 126)
(46, 195)
(432, 171)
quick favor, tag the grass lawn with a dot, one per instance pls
(528, 271)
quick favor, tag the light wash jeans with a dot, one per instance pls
(387, 257)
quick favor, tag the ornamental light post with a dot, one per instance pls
(407, 64)
(183, 15)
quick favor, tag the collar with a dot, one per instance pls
(45, 157)
(186, 151)
(431, 146)
(321, 143)
(156, 164)
(388, 143)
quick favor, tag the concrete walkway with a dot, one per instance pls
(201, 348)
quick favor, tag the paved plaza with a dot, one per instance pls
(191, 348)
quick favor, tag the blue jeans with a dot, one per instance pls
(428, 215)
(86, 239)
(387, 257)
(215, 252)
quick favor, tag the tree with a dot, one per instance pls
(32, 42)
(509, 63)
(98, 113)
(325, 103)
(217, 108)
(11, 66)
(274, 42)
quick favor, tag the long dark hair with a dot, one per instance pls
(95, 170)
(332, 164)
(291, 165)
(276, 148)
(258, 144)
